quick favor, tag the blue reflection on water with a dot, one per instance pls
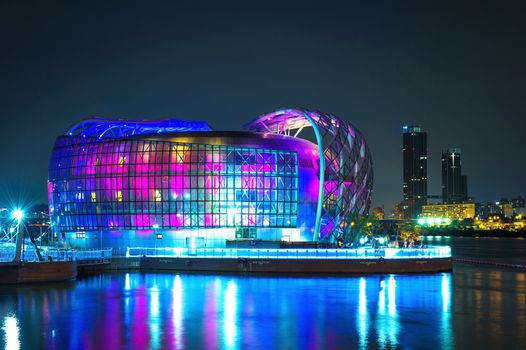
(362, 314)
(445, 326)
(230, 315)
(157, 311)
(177, 312)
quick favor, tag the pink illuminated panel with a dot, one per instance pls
(136, 184)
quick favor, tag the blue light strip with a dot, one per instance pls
(360, 253)
(117, 128)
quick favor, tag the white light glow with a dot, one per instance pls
(177, 310)
(12, 333)
(127, 285)
(230, 310)
(18, 214)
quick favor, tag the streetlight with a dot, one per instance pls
(17, 214)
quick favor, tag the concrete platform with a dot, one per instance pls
(301, 266)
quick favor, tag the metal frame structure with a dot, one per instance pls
(345, 172)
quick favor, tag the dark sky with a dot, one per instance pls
(458, 70)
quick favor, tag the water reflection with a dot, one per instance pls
(230, 314)
(157, 311)
(12, 333)
(177, 312)
(154, 320)
(362, 314)
(387, 323)
(445, 326)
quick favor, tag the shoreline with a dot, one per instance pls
(475, 233)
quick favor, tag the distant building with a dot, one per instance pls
(485, 210)
(518, 203)
(379, 213)
(398, 211)
(506, 210)
(455, 211)
(521, 212)
(414, 170)
(454, 184)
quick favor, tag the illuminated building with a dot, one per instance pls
(456, 211)
(118, 183)
(506, 209)
(398, 211)
(414, 170)
(485, 210)
(454, 184)
(518, 202)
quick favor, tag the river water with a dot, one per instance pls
(475, 307)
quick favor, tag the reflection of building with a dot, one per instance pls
(415, 170)
(457, 211)
(454, 184)
(122, 182)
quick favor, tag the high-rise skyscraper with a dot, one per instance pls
(415, 170)
(454, 184)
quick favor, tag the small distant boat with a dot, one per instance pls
(19, 271)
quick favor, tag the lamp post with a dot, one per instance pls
(18, 215)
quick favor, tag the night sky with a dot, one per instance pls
(459, 71)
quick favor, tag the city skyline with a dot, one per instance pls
(378, 66)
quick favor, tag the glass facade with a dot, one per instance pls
(134, 184)
(138, 183)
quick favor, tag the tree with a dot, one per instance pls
(409, 233)
(360, 225)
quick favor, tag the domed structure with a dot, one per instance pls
(115, 182)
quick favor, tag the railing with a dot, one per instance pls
(360, 253)
(79, 255)
(7, 254)
(56, 254)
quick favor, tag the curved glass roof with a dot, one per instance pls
(118, 128)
